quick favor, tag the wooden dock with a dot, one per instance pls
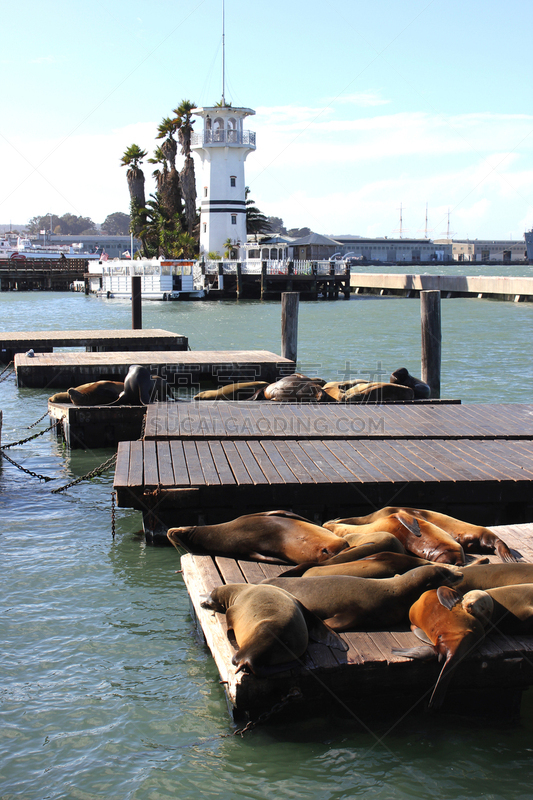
(63, 370)
(90, 427)
(93, 341)
(474, 462)
(369, 672)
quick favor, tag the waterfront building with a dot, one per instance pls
(505, 250)
(223, 146)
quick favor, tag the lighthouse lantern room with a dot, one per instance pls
(223, 146)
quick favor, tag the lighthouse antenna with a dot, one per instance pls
(223, 54)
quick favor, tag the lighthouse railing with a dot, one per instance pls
(199, 138)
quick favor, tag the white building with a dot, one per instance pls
(223, 146)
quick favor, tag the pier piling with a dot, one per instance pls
(289, 324)
(136, 303)
(431, 339)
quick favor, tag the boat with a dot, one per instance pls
(23, 248)
(528, 235)
(161, 279)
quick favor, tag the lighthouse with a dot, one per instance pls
(223, 146)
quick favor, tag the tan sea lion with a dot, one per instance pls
(512, 607)
(97, 393)
(379, 565)
(294, 388)
(473, 538)
(402, 376)
(60, 397)
(378, 392)
(346, 603)
(450, 632)
(233, 391)
(370, 544)
(490, 576)
(419, 537)
(268, 626)
(273, 536)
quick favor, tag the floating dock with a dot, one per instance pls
(92, 341)
(212, 462)
(369, 672)
(63, 370)
(90, 427)
(498, 287)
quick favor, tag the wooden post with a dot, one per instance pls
(221, 275)
(239, 281)
(263, 278)
(431, 339)
(289, 324)
(136, 303)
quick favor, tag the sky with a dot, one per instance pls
(362, 108)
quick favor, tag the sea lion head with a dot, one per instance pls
(480, 604)
(181, 538)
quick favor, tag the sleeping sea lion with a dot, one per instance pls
(419, 537)
(268, 626)
(450, 632)
(379, 565)
(402, 376)
(512, 607)
(60, 397)
(233, 391)
(371, 543)
(294, 388)
(98, 393)
(489, 576)
(473, 538)
(346, 603)
(273, 536)
(378, 392)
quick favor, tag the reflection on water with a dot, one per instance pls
(107, 690)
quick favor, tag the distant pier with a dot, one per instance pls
(410, 285)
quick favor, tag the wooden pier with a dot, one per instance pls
(27, 274)
(406, 285)
(12, 343)
(369, 672)
(91, 427)
(214, 461)
(63, 370)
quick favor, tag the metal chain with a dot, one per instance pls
(11, 363)
(113, 513)
(293, 694)
(92, 474)
(35, 435)
(27, 471)
(38, 420)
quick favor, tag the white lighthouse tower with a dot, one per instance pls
(223, 146)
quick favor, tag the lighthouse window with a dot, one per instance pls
(205, 227)
(233, 181)
(234, 219)
(205, 191)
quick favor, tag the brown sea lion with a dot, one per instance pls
(97, 393)
(60, 397)
(273, 536)
(346, 603)
(511, 607)
(371, 543)
(402, 376)
(439, 619)
(379, 565)
(378, 392)
(233, 391)
(268, 626)
(490, 576)
(419, 537)
(294, 388)
(473, 538)
(140, 388)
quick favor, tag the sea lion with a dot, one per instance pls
(419, 537)
(233, 391)
(294, 388)
(139, 387)
(473, 538)
(272, 536)
(450, 632)
(379, 565)
(268, 626)
(372, 543)
(402, 376)
(511, 607)
(378, 392)
(347, 603)
(98, 393)
(60, 397)
(489, 576)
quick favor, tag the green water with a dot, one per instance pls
(106, 691)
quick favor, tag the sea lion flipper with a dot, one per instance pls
(411, 523)
(298, 570)
(422, 635)
(448, 597)
(503, 552)
(282, 513)
(424, 652)
(320, 632)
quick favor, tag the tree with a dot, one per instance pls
(184, 122)
(299, 233)
(162, 234)
(256, 222)
(276, 225)
(132, 158)
(117, 224)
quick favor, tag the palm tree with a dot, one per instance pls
(132, 158)
(167, 128)
(159, 174)
(162, 233)
(256, 222)
(184, 122)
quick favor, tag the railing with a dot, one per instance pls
(274, 267)
(223, 137)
